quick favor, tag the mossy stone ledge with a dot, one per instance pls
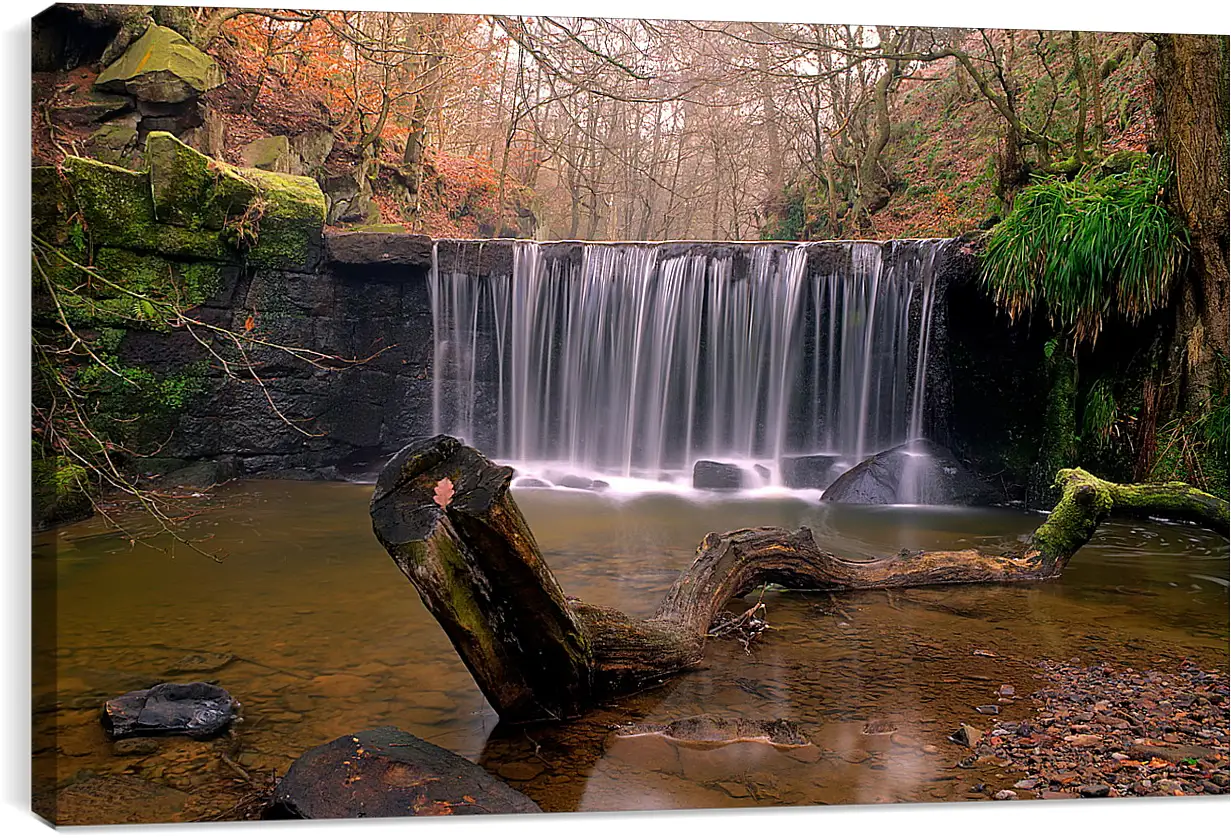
(188, 206)
(291, 220)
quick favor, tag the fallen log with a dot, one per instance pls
(444, 513)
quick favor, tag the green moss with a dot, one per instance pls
(291, 217)
(117, 207)
(161, 66)
(58, 491)
(270, 154)
(1084, 501)
(191, 190)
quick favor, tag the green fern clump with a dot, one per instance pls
(1087, 248)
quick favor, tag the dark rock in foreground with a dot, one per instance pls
(917, 472)
(197, 709)
(707, 474)
(386, 772)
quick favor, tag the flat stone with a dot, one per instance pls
(519, 771)
(135, 747)
(988, 709)
(379, 249)
(1094, 790)
(967, 736)
(386, 772)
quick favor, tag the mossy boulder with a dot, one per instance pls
(291, 219)
(115, 142)
(279, 216)
(161, 66)
(186, 207)
(273, 154)
(58, 492)
(118, 209)
(192, 190)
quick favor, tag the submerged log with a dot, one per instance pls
(444, 513)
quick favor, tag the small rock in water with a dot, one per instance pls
(1006, 690)
(531, 483)
(134, 747)
(707, 474)
(195, 709)
(1094, 790)
(988, 709)
(573, 481)
(1005, 794)
(967, 736)
(519, 771)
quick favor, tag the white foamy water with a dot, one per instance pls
(627, 363)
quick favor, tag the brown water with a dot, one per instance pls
(328, 637)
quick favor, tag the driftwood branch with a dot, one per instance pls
(444, 513)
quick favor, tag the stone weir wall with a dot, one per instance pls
(252, 247)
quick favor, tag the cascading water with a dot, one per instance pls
(636, 360)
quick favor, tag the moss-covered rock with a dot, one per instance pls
(186, 207)
(291, 219)
(115, 142)
(145, 273)
(273, 154)
(58, 492)
(161, 67)
(192, 190)
(118, 209)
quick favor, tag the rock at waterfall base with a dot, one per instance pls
(916, 472)
(723, 477)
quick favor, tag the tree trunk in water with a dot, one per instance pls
(1192, 112)
(444, 513)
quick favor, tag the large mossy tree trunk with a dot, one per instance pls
(1191, 107)
(445, 514)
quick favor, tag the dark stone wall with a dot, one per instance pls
(335, 416)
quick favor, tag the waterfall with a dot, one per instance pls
(636, 360)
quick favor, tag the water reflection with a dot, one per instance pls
(326, 637)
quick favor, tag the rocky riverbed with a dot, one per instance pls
(1101, 731)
